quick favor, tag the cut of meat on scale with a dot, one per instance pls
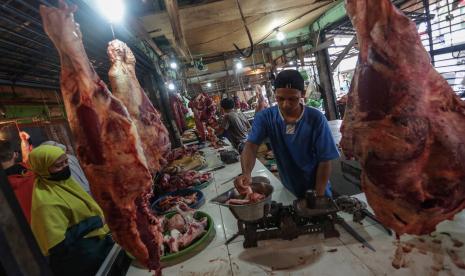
(125, 86)
(108, 145)
(403, 124)
(250, 198)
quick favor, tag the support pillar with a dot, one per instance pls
(226, 82)
(326, 80)
(300, 52)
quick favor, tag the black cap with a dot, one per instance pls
(227, 103)
(289, 79)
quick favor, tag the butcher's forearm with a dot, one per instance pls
(248, 157)
(25, 150)
(322, 176)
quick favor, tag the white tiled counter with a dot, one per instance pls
(312, 254)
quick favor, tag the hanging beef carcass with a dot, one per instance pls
(107, 142)
(179, 110)
(403, 123)
(125, 86)
(204, 110)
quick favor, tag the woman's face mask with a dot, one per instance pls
(63, 174)
(60, 169)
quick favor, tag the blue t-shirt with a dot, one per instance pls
(298, 147)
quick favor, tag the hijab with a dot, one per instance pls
(57, 205)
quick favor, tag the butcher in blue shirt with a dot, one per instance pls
(300, 138)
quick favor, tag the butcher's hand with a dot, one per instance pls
(242, 184)
(24, 135)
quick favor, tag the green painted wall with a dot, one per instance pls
(334, 14)
(331, 16)
(25, 114)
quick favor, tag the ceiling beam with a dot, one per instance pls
(262, 47)
(344, 52)
(228, 71)
(320, 46)
(173, 15)
(331, 16)
(142, 34)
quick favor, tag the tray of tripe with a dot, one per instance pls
(192, 198)
(189, 136)
(186, 163)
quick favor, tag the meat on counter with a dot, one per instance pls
(183, 231)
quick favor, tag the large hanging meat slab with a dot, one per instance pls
(204, 109)
(125, 86)
(107, 142)
(403, 123)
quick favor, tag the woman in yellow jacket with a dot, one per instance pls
(66, 221)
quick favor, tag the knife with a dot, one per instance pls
(229, 180)
(372, 217)
(219, 167)
(354, 233)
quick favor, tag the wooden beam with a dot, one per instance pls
(283, 55)
(326, 81)
(142, 33)
(343, 53)
(264, 47)
(229, 71)
(173, 14)
(286, 46)
(227, 74)
(320, 46)
(300, 53)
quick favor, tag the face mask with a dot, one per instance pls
(64, 174)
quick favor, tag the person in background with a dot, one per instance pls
(300, 138)
(240, 105)
(341, 105)
(235, 123)
(67, 223)
(76, 170)
(262, 102)
(20, 178)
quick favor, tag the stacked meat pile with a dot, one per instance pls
(403, 123)
(170, 203)
(186, 163)
(204, 114)
(183, 230)
(184, 180)
(189, 136)
(180, 152)
(108, 144)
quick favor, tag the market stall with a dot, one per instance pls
(313, 253)
(122, 125)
